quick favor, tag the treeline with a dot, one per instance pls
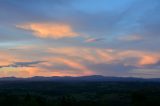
(138, 98)
(79, 94)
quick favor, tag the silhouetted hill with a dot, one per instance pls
(80, 78)
(93, 90)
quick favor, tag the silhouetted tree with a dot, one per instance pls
(139, 99)
(67, 101)
(41, 101)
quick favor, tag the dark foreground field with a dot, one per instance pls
(50, 93)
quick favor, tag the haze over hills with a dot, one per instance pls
(79, 78)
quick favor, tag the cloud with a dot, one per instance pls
(35, 71)
(146, 72)
(22, 64)
(25, 64)
(75, 66)
(108, 61)
(6, 58)
(129, 38)
(94, 40)
(75, 61)
(97, 56)
(50, 30)
(139, 58)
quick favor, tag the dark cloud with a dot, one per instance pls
(23, 64)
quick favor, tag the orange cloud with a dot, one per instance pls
(146, 60)
(77, 67)
(18, 72)
(143, 58)
(97, 56)
(50, 30)
(75, 61)
(39, 69)
(6, 58)
(36, 71)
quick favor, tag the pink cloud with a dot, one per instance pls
(74, 58)
(50, 30)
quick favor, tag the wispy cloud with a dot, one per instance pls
(89, 40)
(129, 38)
(75, 61)
(97, 55)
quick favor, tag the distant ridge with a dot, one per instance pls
(80, 78)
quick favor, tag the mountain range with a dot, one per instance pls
(80, 78)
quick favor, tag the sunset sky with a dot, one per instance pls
(80, 37)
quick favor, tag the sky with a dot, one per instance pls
(80, 38)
